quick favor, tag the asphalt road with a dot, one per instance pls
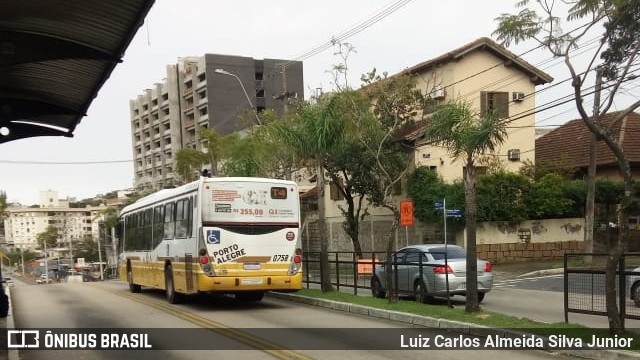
(319, 333)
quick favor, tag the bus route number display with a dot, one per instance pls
(278, 192)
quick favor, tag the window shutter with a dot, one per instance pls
(483, 102)
(502, 104)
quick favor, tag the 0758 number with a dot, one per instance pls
(280, 258)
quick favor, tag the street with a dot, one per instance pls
(110, 305)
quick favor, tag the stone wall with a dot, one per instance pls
(513, 252)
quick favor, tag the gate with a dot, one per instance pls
(585, 285)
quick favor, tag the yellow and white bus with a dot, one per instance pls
(234, 235)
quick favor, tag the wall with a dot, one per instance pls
(531, 240)
(496, 242)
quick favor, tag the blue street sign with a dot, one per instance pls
(455, 213)
(438, 205)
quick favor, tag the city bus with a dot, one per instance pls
(233, 235)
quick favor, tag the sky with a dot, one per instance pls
(98, 159)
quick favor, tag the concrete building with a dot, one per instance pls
(23, 224)
(165, 118)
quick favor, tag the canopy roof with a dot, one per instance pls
(54, 58)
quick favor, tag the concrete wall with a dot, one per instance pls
(496, 242)
(540, 231)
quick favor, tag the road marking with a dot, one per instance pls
(240, 336)
(514, 282)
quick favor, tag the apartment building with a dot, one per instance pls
(23, 224)
(220, 92)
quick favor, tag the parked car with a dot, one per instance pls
(634, 281)
(429, 260)
(44, 279)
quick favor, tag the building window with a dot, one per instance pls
(496, 102)
(203, 111)
(335, 192)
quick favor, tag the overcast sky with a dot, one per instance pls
(285, 29)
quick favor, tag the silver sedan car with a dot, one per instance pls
(422, 272)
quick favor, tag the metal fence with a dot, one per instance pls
(585, 285)
(346, 270)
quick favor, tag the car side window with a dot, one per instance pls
(399, 257)
(413, 257)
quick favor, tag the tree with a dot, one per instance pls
(396, 105)
(621, 32)
(49, 237)
(189, 161)
(318, 134)
(87, 249)
(456, 127)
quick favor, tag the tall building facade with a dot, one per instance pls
(23, 224)
(213, 91)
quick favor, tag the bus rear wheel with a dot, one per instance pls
(249, 296)
(134, 288)
(172, 296)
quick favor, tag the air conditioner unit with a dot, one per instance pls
(437, 93)
(517, 96)
(513, 154)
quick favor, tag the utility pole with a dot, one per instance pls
(591, 175)
(285, 96)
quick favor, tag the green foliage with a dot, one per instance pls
(16, 256)
(456, 127)
(189, 163)
(546, 198)
(501, 197)
(49, 236)
(426, 188)
(87, 249)
(609, 192)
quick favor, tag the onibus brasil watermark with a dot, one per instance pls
(512, 341)
(41, 339)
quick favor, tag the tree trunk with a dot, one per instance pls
(390, 273)
(325, 274)
(616, 324)
(472, 258)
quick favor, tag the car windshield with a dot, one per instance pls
(453, 252)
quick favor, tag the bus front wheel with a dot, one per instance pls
(172, 296)
(134, 288)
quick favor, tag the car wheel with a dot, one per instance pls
(172, 296)
(420, 292)
(635, 293)
(376, 288)
(134, 288)
(480, 297)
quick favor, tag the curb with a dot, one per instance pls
(462, 327)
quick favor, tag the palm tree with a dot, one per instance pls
(456, 127)
(320, 132)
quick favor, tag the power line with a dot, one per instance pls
(29, 162)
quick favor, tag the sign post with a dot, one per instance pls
(457, 213)
(406, 217)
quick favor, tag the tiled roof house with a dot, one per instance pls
(567, 147)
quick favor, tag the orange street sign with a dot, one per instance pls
(406, 213)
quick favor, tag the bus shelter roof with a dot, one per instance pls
(54, 58)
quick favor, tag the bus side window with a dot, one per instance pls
(181, 218)
(147, 232)
(169, 220)
(190, 217)
(158, 225)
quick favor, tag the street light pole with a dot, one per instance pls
(224, 72)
